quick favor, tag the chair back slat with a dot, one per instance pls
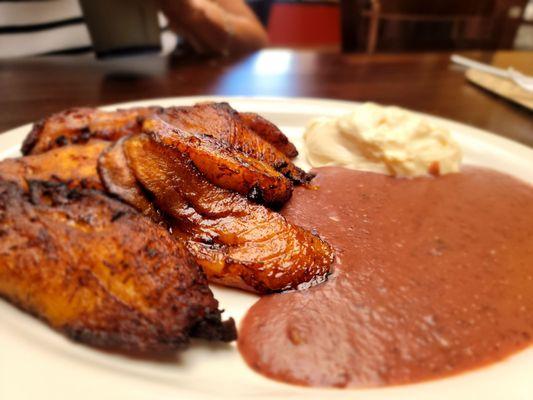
(438, 7)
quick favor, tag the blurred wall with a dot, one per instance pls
(304, 24)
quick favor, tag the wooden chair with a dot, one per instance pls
(480, 24)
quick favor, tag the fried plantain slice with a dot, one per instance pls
(120, 181)
(78, 125)
(74, 165)
(249, 133)
(269, 132)
(95, 269)
(223, 165)
(236, 242)
(225, 124)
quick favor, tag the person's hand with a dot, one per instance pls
(179, 14)
(215, 26)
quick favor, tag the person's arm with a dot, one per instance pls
(216, 26)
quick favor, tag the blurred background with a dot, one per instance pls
(37, 27)
(59, 53)
(400, 25)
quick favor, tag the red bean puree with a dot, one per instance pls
(434, 276)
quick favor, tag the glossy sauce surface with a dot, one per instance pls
(434, 276)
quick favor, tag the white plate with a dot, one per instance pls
(37, 362)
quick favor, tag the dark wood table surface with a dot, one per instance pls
(32, 88)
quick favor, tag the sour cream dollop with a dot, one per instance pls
(383, 139)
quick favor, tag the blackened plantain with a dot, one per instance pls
(95, 269)
(79, 125)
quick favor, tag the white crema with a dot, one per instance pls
(388, 140)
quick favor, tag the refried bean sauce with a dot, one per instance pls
(434, 276)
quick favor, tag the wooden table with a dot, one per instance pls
(33, 88)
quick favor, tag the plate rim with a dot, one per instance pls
(480, 134)
(310, 100)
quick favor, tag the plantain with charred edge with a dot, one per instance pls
(223, 165)
(78, 125)
(237, 243)
(120, 181)
(223, 123)
(95, 269)
(269, 132)
(74, 165)
(247, 132)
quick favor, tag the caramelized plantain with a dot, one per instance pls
(223, 165)
(74, 165)
(97, 270)
(269, 132)
(247, 133)
(78, 125)
(225, 124)
(237, 243)
(120, 181)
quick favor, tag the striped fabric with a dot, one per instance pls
(50, 27)
(40, 27)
